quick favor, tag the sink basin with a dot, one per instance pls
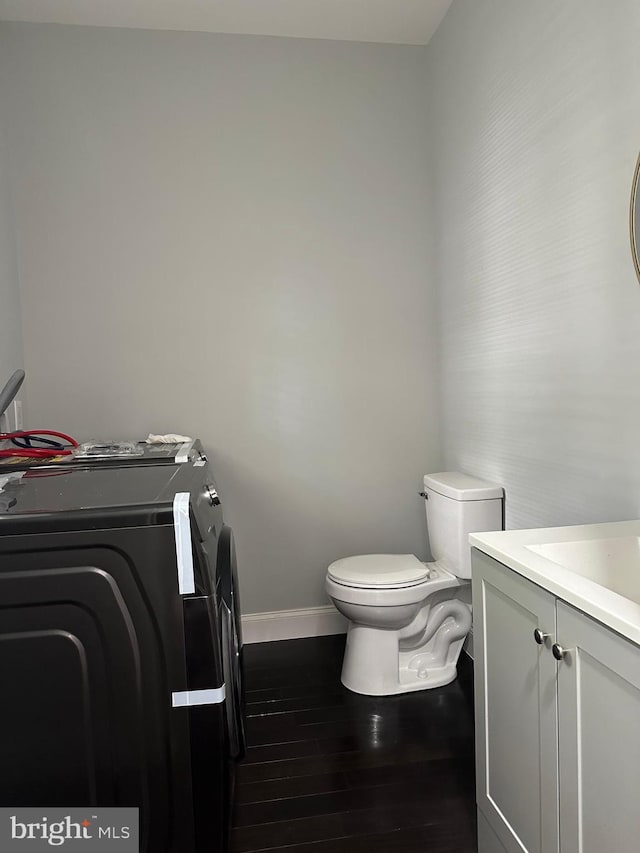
(594, 567)
(614, 563)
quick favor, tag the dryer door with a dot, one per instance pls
(227, 572)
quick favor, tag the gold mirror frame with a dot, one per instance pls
(635, 197)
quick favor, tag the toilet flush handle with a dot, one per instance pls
(424, 495)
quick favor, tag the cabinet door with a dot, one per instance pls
(516, 712)
(599, 737)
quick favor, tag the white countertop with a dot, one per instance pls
(512, 548)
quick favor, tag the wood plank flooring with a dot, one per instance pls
(328, 771)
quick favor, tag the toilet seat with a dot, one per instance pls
(379, 571)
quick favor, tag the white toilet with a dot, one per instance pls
(408, 619)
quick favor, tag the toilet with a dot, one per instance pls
(407, 619)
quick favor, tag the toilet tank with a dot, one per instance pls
(458, 505)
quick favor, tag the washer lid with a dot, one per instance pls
(372, 570)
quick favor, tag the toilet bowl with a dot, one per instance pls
(408, 619)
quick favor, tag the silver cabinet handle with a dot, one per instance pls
(539, 636)
(558, 652)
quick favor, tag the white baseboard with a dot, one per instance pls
(292, 624)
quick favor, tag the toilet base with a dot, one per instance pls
(409, 682)
(435, 677)
(370, 664)
(375, 666)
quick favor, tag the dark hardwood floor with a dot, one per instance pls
(328, 771)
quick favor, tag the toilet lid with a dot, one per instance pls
(378, 570)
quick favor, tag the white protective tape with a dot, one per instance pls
(188, 698)
(183, 453)
(184, 554)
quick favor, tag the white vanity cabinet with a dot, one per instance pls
(557, 741)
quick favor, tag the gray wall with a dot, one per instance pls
(11, 357)
(229, 236)
(535, 111)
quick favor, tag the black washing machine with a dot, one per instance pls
(133, 454)
(121, 620)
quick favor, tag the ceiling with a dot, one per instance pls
(395, 21)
